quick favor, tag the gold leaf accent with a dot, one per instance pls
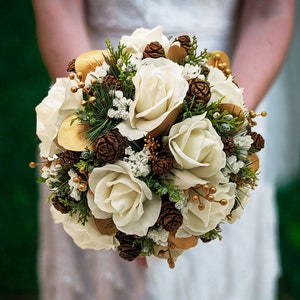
(106, 226)
(254, 165)
(183, 243)
(70, 135)
(176, 54)
(88, 61)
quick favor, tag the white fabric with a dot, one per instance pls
(244, 264)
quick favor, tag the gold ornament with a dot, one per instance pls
(220, 60)
(88, 61)
(71, 135)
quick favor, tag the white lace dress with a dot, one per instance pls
(243, 266)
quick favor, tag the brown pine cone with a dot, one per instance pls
(59, 206)
(154, 50)
(199, 91)
(111, 81)
(128, 249)
(205, 71)
(258, 142)
(71, 66)
(170, 217)
(185, 42)
(110, 146)
(69, 157)
(162, 165)
(229, 145)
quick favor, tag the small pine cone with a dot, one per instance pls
(71, 66)
(162, 165)
(205, 71)
(110, 146)
(154, 50)
(69, 157)
(128, 250)
(59, 206)
(185, 42)
(112, 82)
(170, 217)
(229, 145)
(258, 142)
(199, 91)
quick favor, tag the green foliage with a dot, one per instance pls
(121, 67)
(94, 114)
(164, 186)
(78, 207)
(194, 58)
(222, 121)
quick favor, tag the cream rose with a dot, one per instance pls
(128, 200)
(197, 148)
(59, 104)
(159, 90)
(222, 87)
(84, 236)
(197, 222)
(141, 37)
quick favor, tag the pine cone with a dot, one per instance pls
(154, 50)
(71, 66)
(170, 217)
(69, 157)
(205, 71)
(199, 91)
(59, 206)
(111, 81)
(185, 42)
(110, 146)
(162, 165)
(128, 249)
(258, 142)
(229, 145)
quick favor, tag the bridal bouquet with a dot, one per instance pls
(148, 147)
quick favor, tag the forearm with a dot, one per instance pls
(266, 31)
(61, 33)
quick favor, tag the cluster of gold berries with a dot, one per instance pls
(204, 191)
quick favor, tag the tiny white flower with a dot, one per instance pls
(159, 236)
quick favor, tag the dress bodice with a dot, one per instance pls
(212, 21)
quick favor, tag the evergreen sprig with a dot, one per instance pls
(194, 58)
(123, 68)
(223, 122)
(78, 207)
(94, 115)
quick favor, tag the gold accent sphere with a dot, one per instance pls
(81, 84)
(32, 164)
(74, 89)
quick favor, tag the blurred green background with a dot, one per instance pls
(24, 83)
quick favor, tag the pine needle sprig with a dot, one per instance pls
(94, 115)
(78, 207)
(122, 69)
(194, 58)
(223, 122)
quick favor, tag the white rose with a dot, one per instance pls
(59, 104)
(159, 90)
(222, 87)
(197, 148)
(141, 37)
(197, 222)
(128, 200)
(84, 236)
